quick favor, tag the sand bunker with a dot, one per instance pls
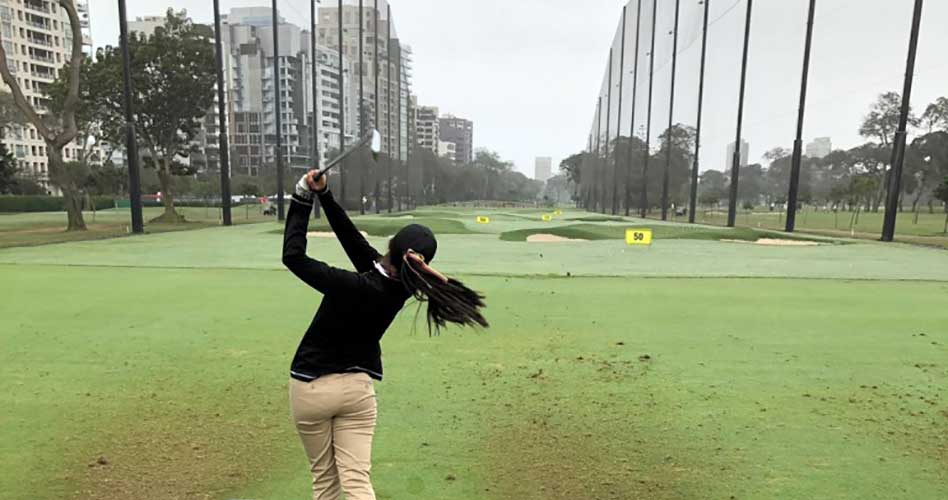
(328, 234)
(777, 243)
(549, 238)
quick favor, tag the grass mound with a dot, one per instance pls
(600, 218)
(387, 226)
(660, 232)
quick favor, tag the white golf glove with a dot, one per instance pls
(302, 189)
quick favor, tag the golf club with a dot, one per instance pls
(373, 140)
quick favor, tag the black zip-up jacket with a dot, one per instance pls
(357, 307)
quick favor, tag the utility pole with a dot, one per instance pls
(342, 110)
(605, 164)
(363, 166)
(398, 116)
(378, 70)
(648, 126)
(798, 142)
(615, 164)
(693, 199)
(635, 84)
(388, 97)
(898, 148)
(278, 112)
(592, 185)
(316, 117)
(736, 161)
(224, 157)
(671, 116)
(131, 144)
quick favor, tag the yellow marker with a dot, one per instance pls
(547, 217)
(557, 212)
(638, 236)
(483, 220)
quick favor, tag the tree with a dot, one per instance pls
(712, 187)
(57, 128)
(936, 115)
(173, 79)
(883, 119)
(942, 194)
(8, 171)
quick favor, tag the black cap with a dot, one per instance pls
(413, 237)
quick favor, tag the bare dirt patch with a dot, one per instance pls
(772, 242)
(550, 238)
(328, 234)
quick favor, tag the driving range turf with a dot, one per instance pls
(156, 367)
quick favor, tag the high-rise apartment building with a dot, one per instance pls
(392, 63)
(730, 154)
(461, 132)
(37, 39)
(448, 150)
(427, 127)
(819, 147)
(543, 168)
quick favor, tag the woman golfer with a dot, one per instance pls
(331, 387)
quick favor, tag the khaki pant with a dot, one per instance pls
(335, 417)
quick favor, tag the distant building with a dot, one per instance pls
(543, 169)
(461, 133)
(427, 129)
(730, 154)
(37, 37)
(819, 148)
(146, 25)
(448, 150)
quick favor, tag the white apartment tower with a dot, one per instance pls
(37, 39)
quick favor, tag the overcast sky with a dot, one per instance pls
(528, 72)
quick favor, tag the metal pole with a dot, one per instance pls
(388, 98)
(398, 116)
(592, 185)
(635, 85)
(693, 199)
(671, 114)
(278, 112)
(648, 126)
(362, 128)
(131, 144)
(378, 70)
(316, 118)
(605, 164)
(736, 161)
(798, 142)
(615, 164)
(898, 148)
(222, 119)
(342, 109)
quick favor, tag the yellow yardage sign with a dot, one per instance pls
(483, 220)
(638, 236)
(557, 212)
(547, 217)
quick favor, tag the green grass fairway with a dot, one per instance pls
(928, 230)
(30, 229)
(155, 367)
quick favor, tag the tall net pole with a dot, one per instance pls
(898, 148)
(736, 160)
(222, 120)
(693, 198)
(278, 112)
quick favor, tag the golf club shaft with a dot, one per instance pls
(343, 156)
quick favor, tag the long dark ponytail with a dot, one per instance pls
(449, 300)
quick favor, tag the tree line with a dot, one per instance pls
(854, 179)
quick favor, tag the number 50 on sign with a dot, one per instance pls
(638, 236)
